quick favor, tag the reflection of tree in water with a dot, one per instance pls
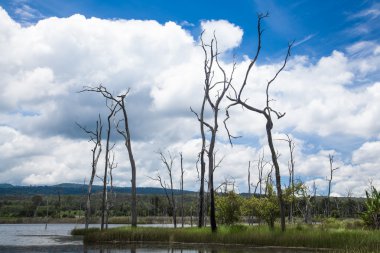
(167, 249)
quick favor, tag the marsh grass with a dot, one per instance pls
(83, 231)
(346, 240)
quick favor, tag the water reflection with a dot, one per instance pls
(140, 249)
(186, 249)
(36, 238)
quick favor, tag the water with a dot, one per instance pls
(22, 238)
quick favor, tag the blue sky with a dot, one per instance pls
(330, 88)
(325, 25)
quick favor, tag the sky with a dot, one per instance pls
(330, 88)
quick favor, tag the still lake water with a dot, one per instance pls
(23, 238)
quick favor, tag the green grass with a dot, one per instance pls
(296, 236)
(83, 231)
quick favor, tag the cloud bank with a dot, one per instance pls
(332, 103)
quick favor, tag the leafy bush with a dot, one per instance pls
(228, 208)
(371, 216)
(265, 208)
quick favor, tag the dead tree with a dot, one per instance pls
(249, 178)
(331, 160)
(127, 137)
(214, 92)
(96, 139)
(119, 102)
(170, 196)
(112, 110)
(291, 174)
(268, 112)
(182, 172)
(314, 189)
(201, 194)
(201, 155)
(110, 200)
(268, 180)
(260, 170)
(303, 191)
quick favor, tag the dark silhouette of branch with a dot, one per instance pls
(266, 111)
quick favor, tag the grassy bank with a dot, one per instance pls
(257, 236)
(38, 220)
(94, 220)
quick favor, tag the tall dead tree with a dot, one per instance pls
(305, 207)
(127, 137)
(96, 139)
(214, 92)
(168, 162)
(182, 172)
(291, 174)
(314, 191)
(111, 194)
(112, 109)
(249, 178)
(331, 161)
(268, 112)
(120, 105)
(201, 158)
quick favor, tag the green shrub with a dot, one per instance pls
(228, 208)
(265, 208)
(83, 231)
(371, 216)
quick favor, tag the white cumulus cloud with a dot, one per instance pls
(44, 65)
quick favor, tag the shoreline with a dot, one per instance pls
(306, 237)
(81, 220)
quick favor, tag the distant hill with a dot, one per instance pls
(73, 189)
(6, 185)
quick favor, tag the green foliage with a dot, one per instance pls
(290, 194)
(228, 208)
(83, 231)
(265, 208)
(371, 216)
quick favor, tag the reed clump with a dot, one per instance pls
(314, 237)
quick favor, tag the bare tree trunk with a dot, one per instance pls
(107, 211)
(260, 169)
(331, 160)
(211, 179)
(127, 137)
(110, 197)
(182, 172)
(59, 203)
(203, 168)
(96, 138)
(106, 163)
(202, 193)
(269, 127)
(249, 178)
(88, 206)
(171, 199)
(291, 175)
(314, 206)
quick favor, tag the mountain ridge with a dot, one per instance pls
(74, 189)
